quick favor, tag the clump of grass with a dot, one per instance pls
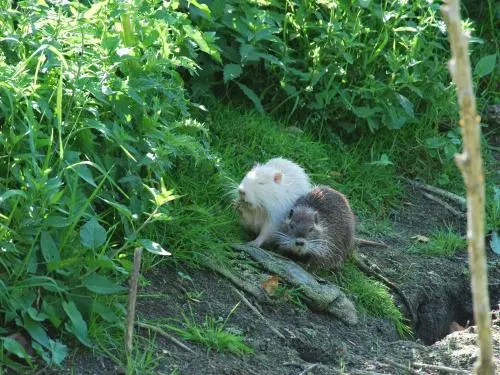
(443, 242)
(212, 334)
(372, 297)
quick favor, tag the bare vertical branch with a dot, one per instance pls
(470, 164)
(132, 298)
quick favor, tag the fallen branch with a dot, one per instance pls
(455, 212)
(309, 368)
(132, 299)
(449, 370)
(256, 291)
(445, 194)
(361, 241)
(323, 297)
(164, 334)
(257, 312)
(369, 270)
(470, 164)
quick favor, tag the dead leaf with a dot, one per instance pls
(455, 327)
(335, 174)
(271, 285)
(420, 238)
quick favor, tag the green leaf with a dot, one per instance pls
(495, 243)
(85, 174)
(406, 104)
(383, 161)
(36, 331)
(49, 248)
(153, 247)
(106, 313)
(101, 285)
(163, 196)
(252, 96)
(249, 53)
(93, 10)
(435, 142)
(92, 234)
(77, 325)
(59, 352)
(200, 40)
(443, 179)
(232, 71)
(205, 10)
(57, 221)
(14, 347)
(12, 193)
(485, 65)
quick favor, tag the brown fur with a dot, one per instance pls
(320, 227)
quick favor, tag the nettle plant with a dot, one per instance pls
(346, 64)
(92, 115)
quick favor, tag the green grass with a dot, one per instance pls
(372, 297)
(443, 242)
(213, 334)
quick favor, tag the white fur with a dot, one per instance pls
(269, 191)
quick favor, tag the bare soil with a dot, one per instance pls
(437, 286)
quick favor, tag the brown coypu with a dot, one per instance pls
(319, 227)
(320, 230)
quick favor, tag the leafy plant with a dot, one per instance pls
(442, 242)
(93, 114)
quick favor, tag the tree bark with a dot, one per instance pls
(470, 164)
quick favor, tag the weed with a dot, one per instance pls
(372, 297)
(213, 334)
(443, 242)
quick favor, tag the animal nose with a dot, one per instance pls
(241, 192)
(300, 242)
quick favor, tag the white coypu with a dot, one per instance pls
(266, 195)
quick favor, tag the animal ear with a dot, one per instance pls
(316, 217)
(278, 176)
(290, 214)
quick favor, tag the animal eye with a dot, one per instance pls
(292, 226)
(261, 183)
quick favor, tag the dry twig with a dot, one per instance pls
(445, 194)
(470, 164)
(257, 312)
(164, 334)
(132, 298)
(449, 370)
(309, 368)
(369, 270)
(455, 212)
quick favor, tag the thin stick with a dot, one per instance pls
(445, 205)
(440, 368)
(257, 312)
(445, 194)
(361, 241)
(309, 368)
(389, 363)
(164, 334)
(132, 298)
(470, 164)
(367, 269)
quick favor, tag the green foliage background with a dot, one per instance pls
(105, 106)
